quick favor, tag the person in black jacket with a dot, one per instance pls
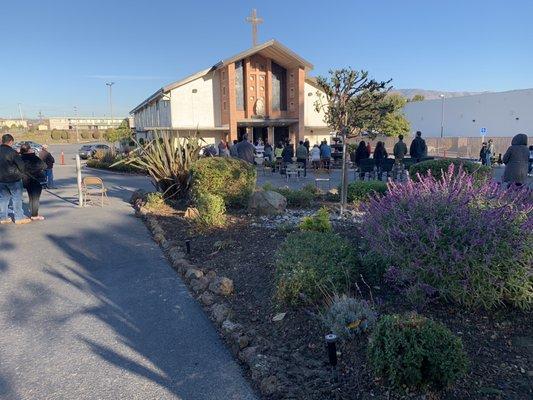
(418, 148)
(48, 159)
(361, 152)
(11, 174)
(34, 174)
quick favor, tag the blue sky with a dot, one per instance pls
(58, 54)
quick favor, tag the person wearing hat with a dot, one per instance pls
(48, 159)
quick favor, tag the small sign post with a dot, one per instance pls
(78, 173)
(483, 132)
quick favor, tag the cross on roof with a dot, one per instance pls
(254, 20)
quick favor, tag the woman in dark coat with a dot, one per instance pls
(380, 153)
(361, 152)
(516, 161)
(34, 169)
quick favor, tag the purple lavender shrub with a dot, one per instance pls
(464, 242)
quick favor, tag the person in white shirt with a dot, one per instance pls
(315, 156)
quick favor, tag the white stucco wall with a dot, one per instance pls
(200, 109)
(312, 118)
(465, 116)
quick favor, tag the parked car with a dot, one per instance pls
(89, 150)
(36, 147)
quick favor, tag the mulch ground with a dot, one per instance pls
(499, 343)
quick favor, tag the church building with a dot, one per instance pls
(264, 91)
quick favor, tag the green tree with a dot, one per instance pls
(418, 97)
(394, 123)
(120, 133)
(352, 103)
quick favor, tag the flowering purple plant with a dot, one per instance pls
(471, 242)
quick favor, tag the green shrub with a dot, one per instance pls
(310, 264)
(64, 135)
(56, 135)
(311, 189)
(296, 198)
(96, 135)
(268, 187)
(212, 210)
(168, 161)
(437, 167)
(361, 190)
(154, 200)
(319, 222)
(411, 351)
(347, 317)
(230, 178)
(85, 134)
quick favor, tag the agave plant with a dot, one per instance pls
(168, 160)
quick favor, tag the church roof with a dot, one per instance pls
(271, 49)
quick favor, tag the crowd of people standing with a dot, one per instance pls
(22, 170)
(320, 155)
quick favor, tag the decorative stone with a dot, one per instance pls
(269, 385)
(199, 285)
(158, 237)
(267, 203)
(211, 275)
(220, 312)
(193, 273)
(248, 354)
(207, 298)
(230, 327)
(222, 286)
(243, 341)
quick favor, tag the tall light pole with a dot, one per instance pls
(77, 120)
(20, 113)
(110, 85)
(442, 117)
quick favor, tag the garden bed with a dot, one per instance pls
(293, 359)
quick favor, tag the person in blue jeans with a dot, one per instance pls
(45, 155)
(11, 174)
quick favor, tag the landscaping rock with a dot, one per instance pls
(243, 341)
(207, 298)
(199, 285)
(158, 237)
(230, 327)
(138, 198)
(220, 312)
(211, 275)
(193, 273)
(222, 286)
(267, 203)
(248, 354)
(269, 385)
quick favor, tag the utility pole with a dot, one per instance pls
(77, 120)
(20, 113)
(441, 119)
(110, 85)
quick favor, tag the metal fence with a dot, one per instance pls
(454, 147)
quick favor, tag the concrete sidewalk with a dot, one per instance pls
(90, 309)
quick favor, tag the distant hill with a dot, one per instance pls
(432, 94)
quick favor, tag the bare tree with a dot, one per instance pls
(352, 104)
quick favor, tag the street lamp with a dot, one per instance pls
(76, 121)
(442, 117)
(110, 84)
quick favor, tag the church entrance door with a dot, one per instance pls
(281, 134)
(260, 133)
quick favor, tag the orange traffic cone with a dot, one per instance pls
(62, 158)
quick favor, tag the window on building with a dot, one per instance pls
(279, 87)
(239, 84)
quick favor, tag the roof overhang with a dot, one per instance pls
(274, 50)
(271, 49)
